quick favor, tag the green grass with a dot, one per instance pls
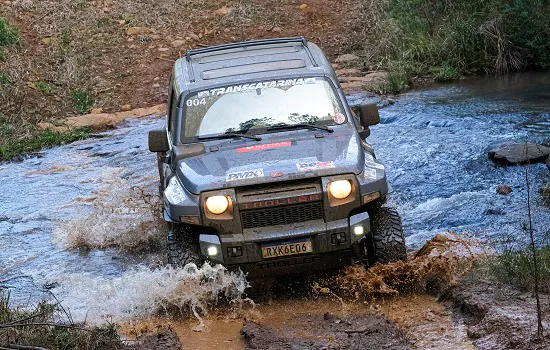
(515, 267)
(4, 80)
(9, 36)
(16, 142)
(44, 87)
(82, 100)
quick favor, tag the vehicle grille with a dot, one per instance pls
(282, 215)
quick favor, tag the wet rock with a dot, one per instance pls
(348, 57)
(547, 161)
(517, 153)
(504, 189)
(139, 31)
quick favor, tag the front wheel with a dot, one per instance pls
(183, 246)
(386, 242)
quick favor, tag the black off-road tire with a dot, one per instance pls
(183, 246)
(386, 243)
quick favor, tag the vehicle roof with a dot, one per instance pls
(250, 60)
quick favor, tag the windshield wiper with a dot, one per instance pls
(283, 126)
(230, 135)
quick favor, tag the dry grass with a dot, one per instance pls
(50, 326)
(81, 45)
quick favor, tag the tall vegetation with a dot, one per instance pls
(449, 38)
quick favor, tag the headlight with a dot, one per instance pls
(339, 189)
(217, 204)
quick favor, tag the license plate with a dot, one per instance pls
(287, 248)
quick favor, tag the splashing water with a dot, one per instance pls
(125, 215)
(437, 265)
(142, 292)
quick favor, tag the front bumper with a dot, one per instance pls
(328, 252)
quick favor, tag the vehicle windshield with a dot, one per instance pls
(249, 108)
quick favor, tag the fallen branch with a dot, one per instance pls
(45, 324)
(26, 347)
(362, 330)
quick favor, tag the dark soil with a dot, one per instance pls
(356, 332)
(498, 316)
(166, 340)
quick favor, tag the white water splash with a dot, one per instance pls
(125, 215)
(142, 292)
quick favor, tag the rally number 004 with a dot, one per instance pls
(196, 102)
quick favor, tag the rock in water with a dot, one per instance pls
(516, 153)
(504, 189)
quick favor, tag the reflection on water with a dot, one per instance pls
(434, 143)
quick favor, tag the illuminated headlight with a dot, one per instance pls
(358, 230)
(212, 251)
(340, 189)
(217, 204)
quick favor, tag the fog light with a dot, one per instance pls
(358, 230)
(338, 238)
(212, 251)
(235, 251)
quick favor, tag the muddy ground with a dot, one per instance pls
(439, 299)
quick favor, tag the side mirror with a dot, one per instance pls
(368, 115)
(158, 141)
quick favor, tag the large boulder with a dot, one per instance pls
(517, 153)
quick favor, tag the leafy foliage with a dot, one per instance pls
(453, 38)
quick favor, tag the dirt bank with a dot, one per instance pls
(498, 316)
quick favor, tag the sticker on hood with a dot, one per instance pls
(339, 118)
(246, 174)
(264, 146)
(315, 165)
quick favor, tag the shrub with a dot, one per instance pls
(82, 100)
(457, 37)
(9, 36)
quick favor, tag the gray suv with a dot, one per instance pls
(263, 165)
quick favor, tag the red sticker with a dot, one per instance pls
(339, 118)
(264, 146)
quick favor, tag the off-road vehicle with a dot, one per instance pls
(264, 166)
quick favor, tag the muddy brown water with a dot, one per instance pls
(434, 143)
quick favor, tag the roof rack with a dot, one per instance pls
(297, 39)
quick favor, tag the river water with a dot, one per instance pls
(95, 195)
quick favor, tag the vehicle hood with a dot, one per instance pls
(278, 157)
